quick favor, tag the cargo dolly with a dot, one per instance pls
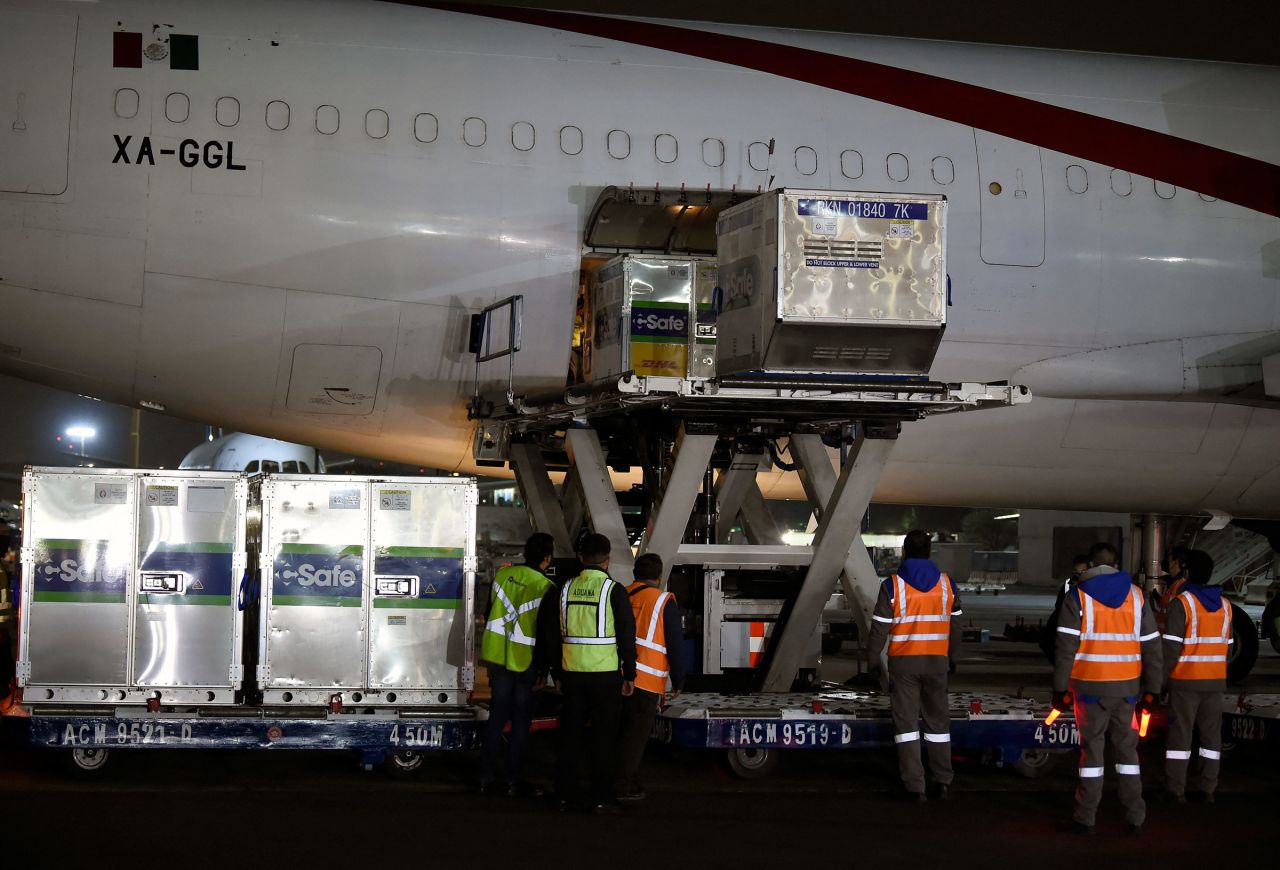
(752, 730)
(400, 739)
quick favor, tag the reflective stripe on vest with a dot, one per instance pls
(1110, 647)
(1171, 592)
(1208, 637)
(649, 603)
(588, 638)
(921, 620)
(513, 617)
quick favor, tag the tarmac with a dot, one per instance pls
(193, 808)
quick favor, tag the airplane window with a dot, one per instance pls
(126, 103)
(666, 148)
(897, 166)
(1121, 182)
(1165, 190)
(377, 123)
(277, 115)
(327, 120)
(851, 163)
(227, 111)
(758, 156)
(251, 468)
(270, 465)
(571, 140)
(943, 170)
(806, 160)
(523, 136)
(177, 107)
(425, 127)
(1207, 198)
(303, 468)
(713, 152)
(1077, 178)
(619, 144)
(474, 131)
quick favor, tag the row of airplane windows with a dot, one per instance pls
(618, 144)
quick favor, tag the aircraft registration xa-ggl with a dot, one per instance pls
(280, 216)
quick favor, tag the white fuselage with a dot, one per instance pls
(403, 167)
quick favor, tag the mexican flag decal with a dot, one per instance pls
(180, 49)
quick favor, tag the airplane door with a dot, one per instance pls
(1012, 196)
(37, 51)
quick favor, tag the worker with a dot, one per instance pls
(659, 638)
(1049, 637)
(1197, 637)
(1108, 659)
(595, 634)
(517, 668)
(914, 615)
(1172, 583)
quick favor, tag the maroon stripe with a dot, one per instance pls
(1191, 165)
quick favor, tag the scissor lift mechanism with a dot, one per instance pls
(673, 428)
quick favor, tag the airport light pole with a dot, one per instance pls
(81, 434)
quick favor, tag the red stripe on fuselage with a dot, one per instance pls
(1192, 165)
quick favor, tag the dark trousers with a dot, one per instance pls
(596, 698)
(1192, 710)
(638, 712)
(1097, 720)
(916, 697)
(512, 702)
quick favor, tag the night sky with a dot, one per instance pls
(1247, 32)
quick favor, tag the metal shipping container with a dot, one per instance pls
(367, 588)
(652, 315)
(130, 586)
(832, 282)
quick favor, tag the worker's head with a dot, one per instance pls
(538, 550)
(1178, 561)
(1102, 553)
(594, 550)
(916, 545)
(648, 569)
(1199, 565)
(1079, 564)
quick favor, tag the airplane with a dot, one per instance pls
(281, 216)
(252, 454)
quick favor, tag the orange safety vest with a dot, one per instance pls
(921, 620)
(1208, 636)
(648, 604)
(1172, 591)
(1110, 640)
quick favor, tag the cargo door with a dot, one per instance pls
(315, 600)
(1012, 196)
(420, 638)
(37, 53)
(190, 556)
(76, 625)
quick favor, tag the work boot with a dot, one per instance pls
(1080, 828)
(608, 808)
(1135, 830)
(633, 795)
(939, 792)
(914, 797)
(493, 789)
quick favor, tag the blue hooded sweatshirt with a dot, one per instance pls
(922, 574)
(1109, 589)
(1210, 596)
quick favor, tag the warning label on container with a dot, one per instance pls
(110, 493)
(398, 620)
(161, 496)
(393, 499)
(901, 230)
(344, 499)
